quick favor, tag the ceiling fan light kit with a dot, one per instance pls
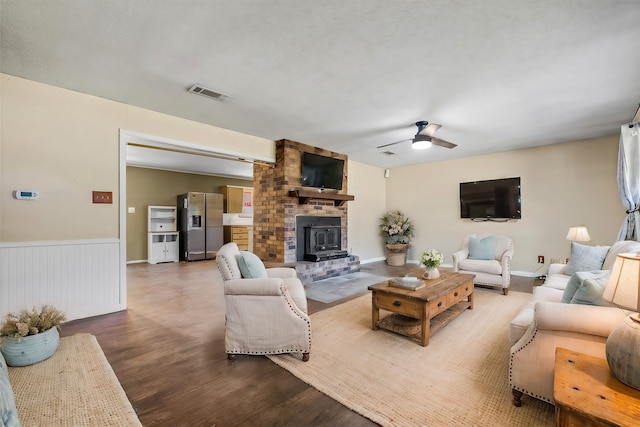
(420, 144)
(424, 137)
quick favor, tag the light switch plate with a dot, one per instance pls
(103, 197)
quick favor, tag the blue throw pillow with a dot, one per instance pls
(572, 286)
(251, 267)
(591, 289)
(8, 412)
(585, 258)
(482, 249)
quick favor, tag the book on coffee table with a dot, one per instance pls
(412, 283)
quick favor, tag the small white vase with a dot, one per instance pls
(432, 273)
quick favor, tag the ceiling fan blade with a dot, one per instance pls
(443, 143)
(425, 133)
(393, 143)
(430, 129)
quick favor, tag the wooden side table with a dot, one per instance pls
(587, 394)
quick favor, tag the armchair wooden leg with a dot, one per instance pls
(505, 291)
(517, 395)
(231, 356)
(305, 357)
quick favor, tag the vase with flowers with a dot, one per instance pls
(30, 336)
(397, 231)
(430, 260)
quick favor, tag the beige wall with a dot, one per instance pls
(65, 145)
(367, 184)
(160, 188)
(562, 185)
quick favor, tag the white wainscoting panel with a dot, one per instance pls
(79, 277)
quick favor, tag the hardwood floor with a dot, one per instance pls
(167, 350)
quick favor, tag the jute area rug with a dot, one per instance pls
(459, 379)
(74, 387)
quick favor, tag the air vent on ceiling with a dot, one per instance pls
(388, 153)
(209, 93)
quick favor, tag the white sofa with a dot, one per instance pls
(546, 323)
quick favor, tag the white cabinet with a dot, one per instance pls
(163, 239)
(163, 247)
(162, 218)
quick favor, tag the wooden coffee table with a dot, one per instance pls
(432, 307)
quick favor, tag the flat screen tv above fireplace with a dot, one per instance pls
(496, 198)
(321, 171)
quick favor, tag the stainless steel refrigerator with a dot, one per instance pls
(200, 225)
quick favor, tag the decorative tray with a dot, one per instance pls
(411, 283)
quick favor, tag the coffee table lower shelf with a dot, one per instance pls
(396, 323)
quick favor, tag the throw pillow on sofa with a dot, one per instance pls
(587, 287)
(591, 290)
(585, 258)
(8, 413)
(572, 286)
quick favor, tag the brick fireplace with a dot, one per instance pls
(276, 208)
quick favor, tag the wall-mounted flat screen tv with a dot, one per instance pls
(496, 198)
(321, 171)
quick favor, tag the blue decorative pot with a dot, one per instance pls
(30, 349)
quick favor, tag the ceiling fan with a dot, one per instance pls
(424, 138)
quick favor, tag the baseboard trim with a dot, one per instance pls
(524, 274)
(370, 260)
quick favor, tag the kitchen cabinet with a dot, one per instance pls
(238, 199)
(240, 234)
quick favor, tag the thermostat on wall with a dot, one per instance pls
(26, 195)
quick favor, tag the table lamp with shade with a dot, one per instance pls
(623, 343)
(578, 234)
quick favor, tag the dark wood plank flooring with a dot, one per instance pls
(167, 350)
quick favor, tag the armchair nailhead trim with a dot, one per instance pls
(226, 262)
(511, 369)
(285, 294)
(287, 298)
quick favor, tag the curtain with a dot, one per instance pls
(629, 180)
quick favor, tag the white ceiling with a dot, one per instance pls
(347, 75)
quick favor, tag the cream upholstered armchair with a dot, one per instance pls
(266, 308)
(488, 256)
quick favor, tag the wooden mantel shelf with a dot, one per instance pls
(305, 196)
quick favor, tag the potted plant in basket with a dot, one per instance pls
(30, 336)
(431, 259)
(397, 231)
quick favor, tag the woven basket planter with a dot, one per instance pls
(396, 254)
